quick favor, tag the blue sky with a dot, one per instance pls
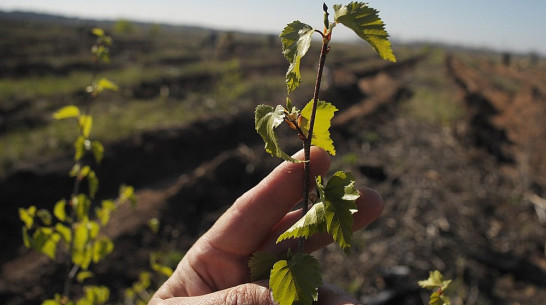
(495, 24)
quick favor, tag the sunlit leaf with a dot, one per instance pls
(81, 236)
(97, 32)
(105, 84)
(321, 130)
(267, 119)
(64, 231)
(82, 257)
(339, 202)
(296, 281)
(85, 123)
(46, 241)
(94, 295)
(45, 216)
(127, 193)
(27, 240)
(260, 265)
(93, 183)
(79, 147)
(314, 221)
(437, 298)
(103, 213)
(98, 150)
(435, 280)
(81, 204)
(66, 112)
(365, 22)
(59, 210)
(27, 216)
(83, 275)
(296, 40)
(101, 248)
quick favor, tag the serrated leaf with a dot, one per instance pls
(296, 281)
(314, 221)
(260, 265)
(434, 281)
(267, 119)
(339, 203)
(296, 40)
(365, 22)
(321, 130)
(66, 112)
(59, 210)
(98, 150)
(27, 216)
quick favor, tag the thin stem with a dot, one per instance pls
(307, 142)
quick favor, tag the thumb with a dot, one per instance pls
(245, 294)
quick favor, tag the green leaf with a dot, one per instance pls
(81, 236)
(339, 198)
(153, 224)
(267, 119)
(46, 241)
(85, 123)
(437, 298)
(83, 275)
(103, 213)
(59, 210)
(64, 231)
(81, 204)
(97, 32)
(79, 147)
(101, 248)
(321, 130)
(104, 84)
(66, 112)
(365, 22)
(158, 267)
(94, 295)
(82, 257)
(27, 216)
(260, 265)
(45, 216)
(127, 193)
(98, 151)
(27, 240)
(314, 221)
(434, 281)
(51, 302)
(296, 40)
(296, 281)
(93, 183)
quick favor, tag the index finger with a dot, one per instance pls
(244, 226)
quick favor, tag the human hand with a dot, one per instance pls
(215, 269)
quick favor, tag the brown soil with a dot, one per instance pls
(465, 199)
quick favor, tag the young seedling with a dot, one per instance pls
(73, 221)
(295, 278)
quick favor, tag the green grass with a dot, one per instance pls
(434, 98)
